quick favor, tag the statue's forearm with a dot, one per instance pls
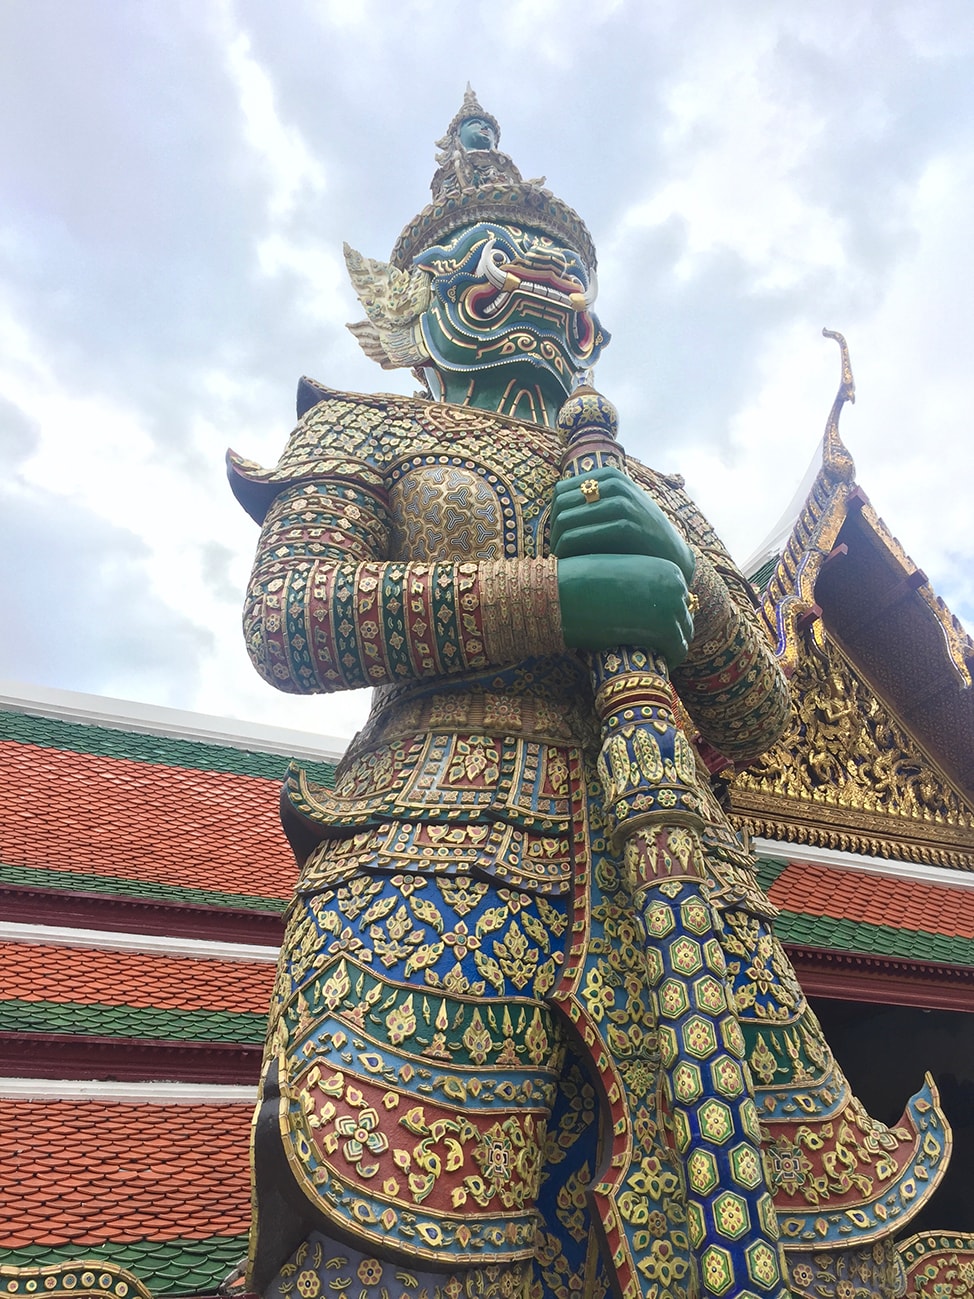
(325, 612)
(730, 681)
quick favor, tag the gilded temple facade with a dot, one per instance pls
(875, 778)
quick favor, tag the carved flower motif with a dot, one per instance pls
(790, 1166)
(662, 1264)
(408, 884)
(461, 893)
(363, 1138)
(477, 1039)
(308, 1284)
(656, 1222)
(802, 1276)
(640, 1075)
(763, 1062)
(597, 995)
(461, 940)
(370, 1271)
(494, 1155)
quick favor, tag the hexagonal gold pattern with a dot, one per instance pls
(727, 1076)
(702, 1172)
(709, 994)
(667, 1044)
(714, 953)
(695, 1224)
(654, 965)
(750, 1121)
(762, 1263)
(715, 1120)
(685, 955)
(659, 919)
(673, 999)
(681, 1130)
(718, 1269)
(768, 1217)
(695, 916)
(687, 1083)
(731, 1216)
(730, 1031)
(746, 1166)
(699, 1037)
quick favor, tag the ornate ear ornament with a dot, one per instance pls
(394, 300)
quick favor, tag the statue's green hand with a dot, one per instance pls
(623, 521)
(609, 600)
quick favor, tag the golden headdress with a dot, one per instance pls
(482, 184)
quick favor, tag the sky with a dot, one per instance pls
(176, 181)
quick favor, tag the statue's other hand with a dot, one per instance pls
(609, 600)
(624, 520)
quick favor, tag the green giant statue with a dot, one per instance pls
(532, 1033)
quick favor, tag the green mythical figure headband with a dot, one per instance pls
(494, 271)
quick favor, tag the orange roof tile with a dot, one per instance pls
(87, 1173)
(885, 900)
(90, 976)
(101, 815)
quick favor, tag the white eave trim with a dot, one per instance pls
(150, 719)
(126, 1093)
(776, 850)
(148, 944)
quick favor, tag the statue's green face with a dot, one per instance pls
(510, 305)
(475, 133)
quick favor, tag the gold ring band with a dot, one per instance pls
(693, 603)
(590, 490)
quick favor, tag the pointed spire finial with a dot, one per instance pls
(836, 459)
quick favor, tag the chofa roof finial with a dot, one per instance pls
(836, 460)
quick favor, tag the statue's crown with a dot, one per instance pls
(474, 181)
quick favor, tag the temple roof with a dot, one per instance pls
(858, 626)
(50, 987)
(161, 1189)
(143, 873)
(96, 811)
(874, 931)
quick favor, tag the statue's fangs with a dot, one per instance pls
(532, 1034)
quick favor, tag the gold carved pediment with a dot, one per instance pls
(848, 775)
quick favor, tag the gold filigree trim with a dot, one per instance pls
(849, 775)
(791, 591)
(846, 748)
(848, 839)
(521, 611)
(836, 460)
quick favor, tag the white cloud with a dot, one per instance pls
(752, 172)
(292, 171)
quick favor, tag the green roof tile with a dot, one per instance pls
(173, 1267)
(760, 579)
(768, 871)
(132, 1021)
(116, 886)
(882, 940)
(160, 750)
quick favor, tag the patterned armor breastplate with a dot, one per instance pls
(444, 512)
